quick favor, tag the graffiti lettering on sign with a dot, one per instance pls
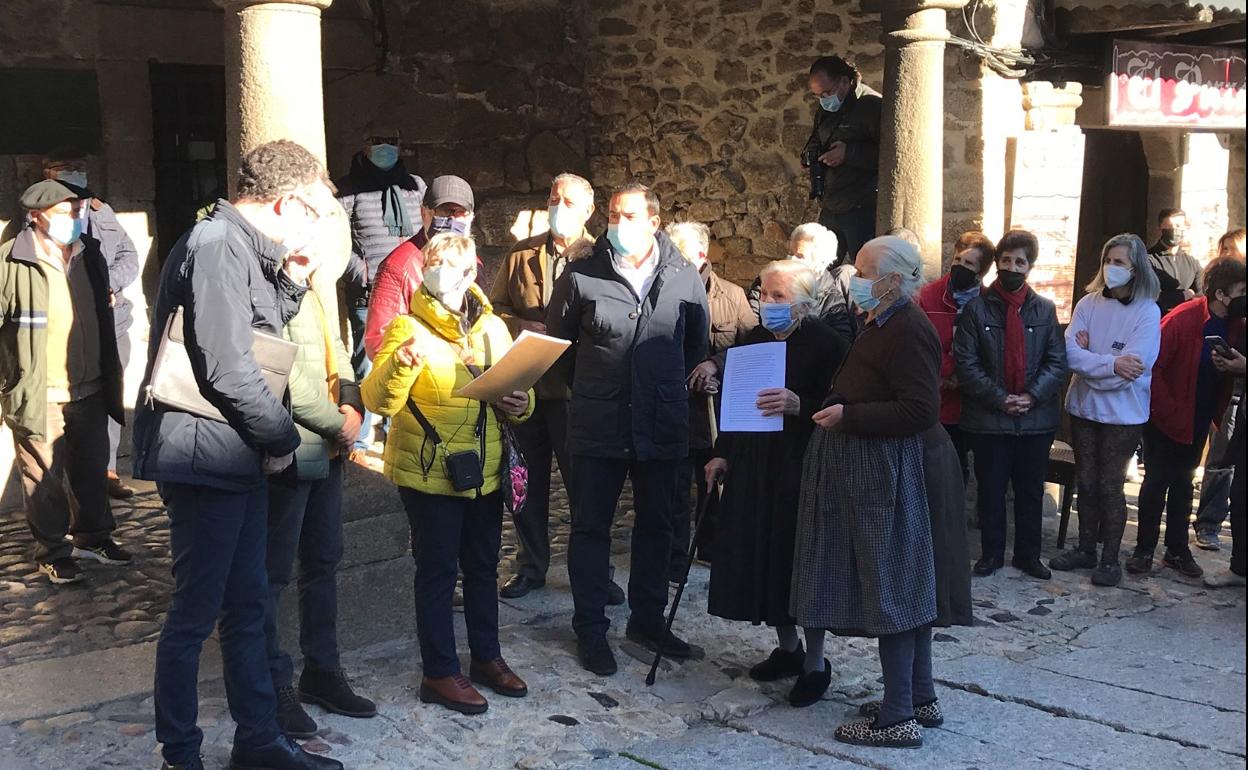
(1151, 84)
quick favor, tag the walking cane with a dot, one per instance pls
(693, 544)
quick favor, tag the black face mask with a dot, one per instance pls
(1171, 237)
(1236, 307)
(1011, 280)
(962, 277)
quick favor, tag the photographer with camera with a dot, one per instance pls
(843, 153)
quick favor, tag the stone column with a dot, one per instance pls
(912, 129)
(273, 75)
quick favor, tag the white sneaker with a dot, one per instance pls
(1224, 579)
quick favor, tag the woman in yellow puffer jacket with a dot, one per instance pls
(444, 452)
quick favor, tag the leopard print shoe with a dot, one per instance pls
(863, 732)
(927, 715)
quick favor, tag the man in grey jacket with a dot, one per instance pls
(239, 270)
(637, 314)
(69, 164)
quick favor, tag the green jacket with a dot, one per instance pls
(316, 417)
(24, 335)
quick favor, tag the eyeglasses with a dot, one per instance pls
(316, 215)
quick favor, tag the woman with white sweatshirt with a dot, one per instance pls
(1111, 345)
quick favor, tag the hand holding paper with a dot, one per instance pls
(750, 370)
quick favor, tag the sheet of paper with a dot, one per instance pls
(520, 368)
(751, 368)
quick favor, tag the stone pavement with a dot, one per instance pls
(1055, 675)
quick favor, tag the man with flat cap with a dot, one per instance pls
(60, 379)
(448, 207)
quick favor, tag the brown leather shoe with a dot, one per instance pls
(454, 692)
(499, 677)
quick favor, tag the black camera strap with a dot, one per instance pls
(431, 433)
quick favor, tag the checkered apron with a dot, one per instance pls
(863, 556)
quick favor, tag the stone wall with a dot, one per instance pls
(495, 95)
(707, 101)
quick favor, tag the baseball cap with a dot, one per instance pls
(449, 189)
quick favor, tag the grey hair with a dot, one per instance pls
(825, 241)
(1144, 282)
(690, 232)
(803, 280)
(576, 181)
(899, 256)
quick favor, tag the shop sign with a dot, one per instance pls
(1161, 85)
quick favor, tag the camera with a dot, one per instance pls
(810, 161)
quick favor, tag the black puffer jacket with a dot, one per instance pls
(228, 277)
(854, 183)
(362, 192)
(632, 355)
(979, 350)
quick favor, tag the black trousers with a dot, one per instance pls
(691, 472)
(542, 436)
(1237, 516)
(64, 481)
(599, 482)
(1018, 461)
(452, 534)
(962, 445)
(1169, 468)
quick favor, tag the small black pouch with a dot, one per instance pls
(464, 470)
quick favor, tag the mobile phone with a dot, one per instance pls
(1219, 346)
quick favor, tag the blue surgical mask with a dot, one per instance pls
(776, 316)
(830, 103)
(383, 156)
(76, 178)
(1117, 275)
(448, 225)
(628, 239)
(860, 290)
(65, 230)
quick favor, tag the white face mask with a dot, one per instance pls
(76, 178)
(1117, 275)
(630, 239)
(446, 282)
(565, 222)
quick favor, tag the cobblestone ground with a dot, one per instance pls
(1055, 674)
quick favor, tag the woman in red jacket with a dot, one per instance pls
(1188, 394)
(943, 300)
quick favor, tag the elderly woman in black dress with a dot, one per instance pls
(864, 562)
(762, 472)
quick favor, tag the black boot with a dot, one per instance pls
(781, 664)
(281, 754)
(988, 565)
(332, 691)
(810, 687)
(291, 717)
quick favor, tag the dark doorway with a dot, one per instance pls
(188, 118)
(1114, 199)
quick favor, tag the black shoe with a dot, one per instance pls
(281, 754)
(291, 717)
(331, 690)
(1107, 575)
(810, 687)
(1140, 563)
(1032, 567)
(61, 571)
(519, 585)
(988, 565)
(673, 646)
(596, 657)
(107, 552)
(195, 764)
(781, 664)
(615, 595)
(1184, 562)
(1072, 560)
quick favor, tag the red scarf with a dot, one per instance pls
(1015, 343)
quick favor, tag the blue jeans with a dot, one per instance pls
(217, 539)
(305, 518)
(452, 534)
(357, 317)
